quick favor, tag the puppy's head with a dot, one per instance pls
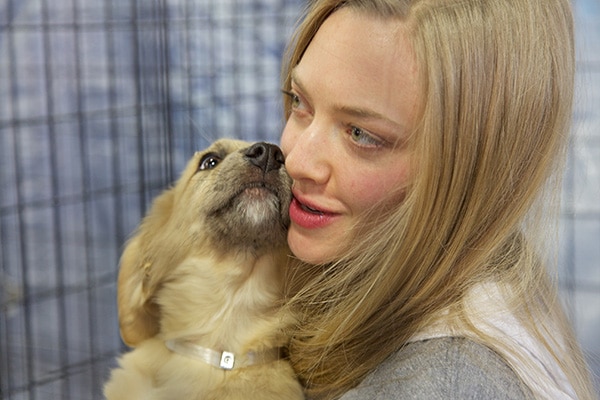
(246, 195)
(231, 198)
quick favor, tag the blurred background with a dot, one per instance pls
(101, 104)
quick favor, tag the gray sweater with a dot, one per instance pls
(442, 368)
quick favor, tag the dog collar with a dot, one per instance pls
(223, 359)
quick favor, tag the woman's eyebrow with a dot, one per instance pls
(296, 81)
(367, 114)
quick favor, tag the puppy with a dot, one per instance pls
(200, 284)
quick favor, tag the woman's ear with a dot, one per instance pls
(138, 315)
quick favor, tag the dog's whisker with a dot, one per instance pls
(200, 131)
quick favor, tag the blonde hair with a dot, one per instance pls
(491, 140)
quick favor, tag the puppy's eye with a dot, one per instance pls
(209, 161)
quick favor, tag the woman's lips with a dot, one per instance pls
(308, 217)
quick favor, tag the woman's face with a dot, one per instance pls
(354, 103)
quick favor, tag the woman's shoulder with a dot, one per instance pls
(442, 368)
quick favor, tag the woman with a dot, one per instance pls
(425, 140)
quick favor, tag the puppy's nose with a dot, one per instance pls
(265, 156)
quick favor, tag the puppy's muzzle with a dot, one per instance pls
(265, 156)
(250, 197)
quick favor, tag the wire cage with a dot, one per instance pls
(102, 102)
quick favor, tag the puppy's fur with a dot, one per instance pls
(206, 265)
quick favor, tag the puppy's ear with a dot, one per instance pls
(139, 277)
(138, 317)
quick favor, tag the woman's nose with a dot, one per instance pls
(306, 155)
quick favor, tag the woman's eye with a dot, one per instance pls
(209, 161)
(364, 138)
(295, 101)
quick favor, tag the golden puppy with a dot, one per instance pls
(200, 284)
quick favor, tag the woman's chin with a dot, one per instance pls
(311, 249)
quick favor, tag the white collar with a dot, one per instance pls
(488, 311)
(223, 359)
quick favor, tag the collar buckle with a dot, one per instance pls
(227, 361)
